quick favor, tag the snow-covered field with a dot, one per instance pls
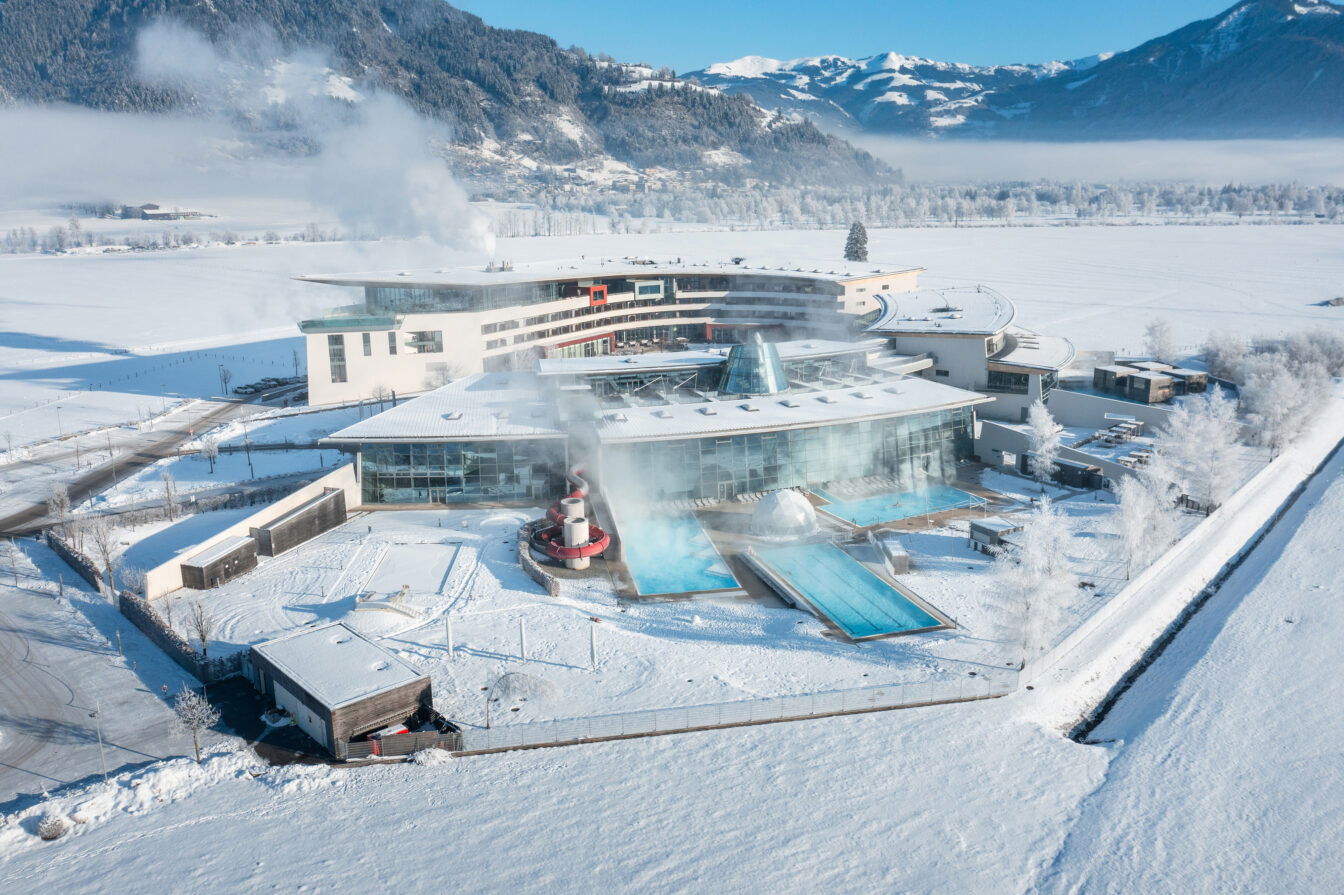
(1225, 780)
(1220, 775)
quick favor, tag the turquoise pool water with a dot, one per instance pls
(672, 555)
(842, 589)
(900, 505)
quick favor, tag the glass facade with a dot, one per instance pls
(753, 368)
(912, 449)
(463, 472)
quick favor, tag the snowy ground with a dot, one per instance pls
(1219, 779)
(460, 565)
(1216, 787)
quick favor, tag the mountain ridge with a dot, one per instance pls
(1261, 68)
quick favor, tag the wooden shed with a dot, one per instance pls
(304, 522)
(223, 562)
(336, 683)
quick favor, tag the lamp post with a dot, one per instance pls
(98, 716)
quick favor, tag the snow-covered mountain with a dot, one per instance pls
(1263, 68)
(887, 93)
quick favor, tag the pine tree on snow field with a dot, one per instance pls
(856, 246)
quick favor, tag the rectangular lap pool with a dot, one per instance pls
(671, 555)
(867, 511)
(844, 591)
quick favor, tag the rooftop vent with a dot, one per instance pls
(453, 415)
(827, 399)
(663, 414)
(708, 411)
(864, 395)
(750, 408)
(618, 418)
(789, 402)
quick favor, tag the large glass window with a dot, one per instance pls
(914, 450)
(391, 343)
(462, 472)
(1012, 383)
(336, 356)
(427, 342)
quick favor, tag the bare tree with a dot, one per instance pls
(169, 496)
(1159, 340)
(202, 624)
(297, 360)
(194, 716)
(133, 579)
(1044, 441)
(225, 377)
(58, 506)
(210, 450)
(103, 538)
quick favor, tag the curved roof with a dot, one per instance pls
(597, 268)
(1024, 348)
(970, 310)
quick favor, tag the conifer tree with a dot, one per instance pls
(856, 246)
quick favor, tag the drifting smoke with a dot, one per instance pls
(259, 121)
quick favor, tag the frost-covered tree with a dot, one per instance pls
(210, 450)
(1159, 340)
(1223, 354)
(856, 245)
(169, 495)
(194, 716)
(1196, 448)
(1147, 519)
(1280, 397)
(58, 507)
(1044, 443)
(1033, 574)
(103, 538)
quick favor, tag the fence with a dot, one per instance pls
(399, 745)
(142, 615)
(656, 722)
(82, 565)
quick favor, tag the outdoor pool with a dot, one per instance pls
(844, 591)
(672, 555)
(891, 507)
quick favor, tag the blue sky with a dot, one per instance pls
(690, 34)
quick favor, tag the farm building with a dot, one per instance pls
(336, 683)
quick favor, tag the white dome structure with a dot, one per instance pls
(782, 514)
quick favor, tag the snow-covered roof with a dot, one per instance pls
(337, 665)
(972, 310)
(217, 552)
(1024, 348)
(597, 268)
(485, 406)
(798, 349)
(791, 410)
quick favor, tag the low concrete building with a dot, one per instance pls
(306, 521)
(222, 562)
(989, 533)
(336, 683)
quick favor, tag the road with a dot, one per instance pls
(141, 449)
(58, 667)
